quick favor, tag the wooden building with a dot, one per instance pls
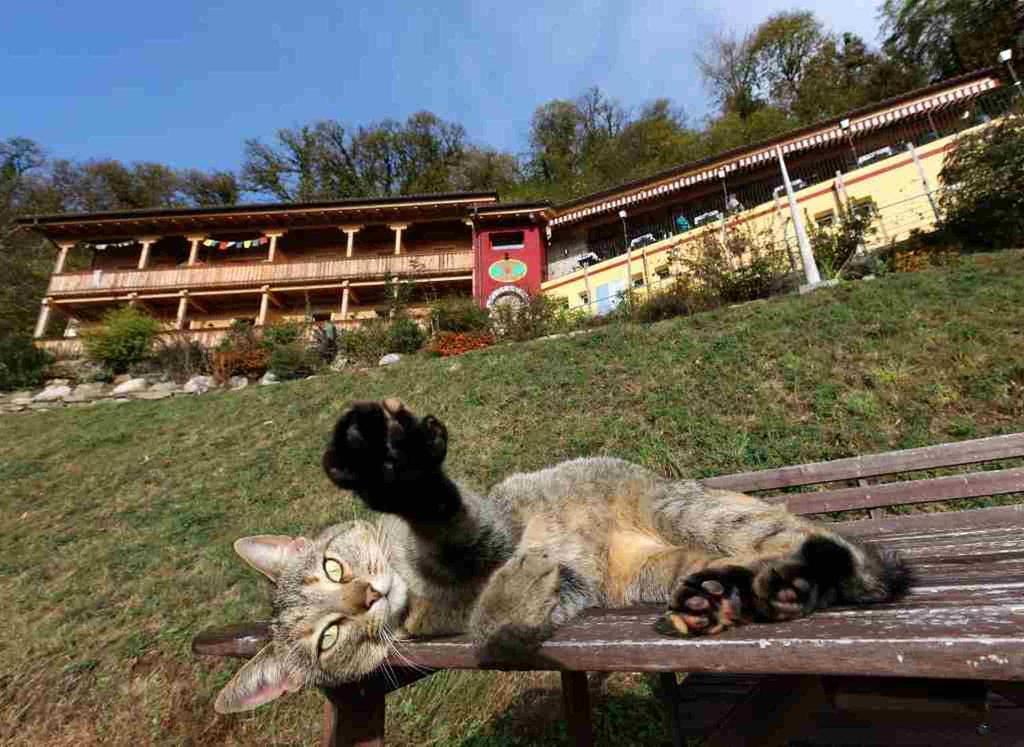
(198, 270)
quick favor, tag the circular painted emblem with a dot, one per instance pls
(507, 270)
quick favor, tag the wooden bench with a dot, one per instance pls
(943, 666)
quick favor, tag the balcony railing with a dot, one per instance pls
(263, 273)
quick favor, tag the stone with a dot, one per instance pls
(86, 393)
(268, 379)
(121, 378)
(390, 359)
(52, 393)
(43, 406)
(113, 401)
(199, 385)
(131, 386)
(237, 382)
(21, 399)
(57, 382)
(165, 386)
(150, 394)
(339, 363)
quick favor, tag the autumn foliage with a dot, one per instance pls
(457, 343)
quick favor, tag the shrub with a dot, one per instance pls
(405, 336)
(280, 334)
(679, 299)
(834, 246)
(745, 267)
(181, 357)
(240, 353)
(458, 314)
(983, 203)
(366, 343)
(22, 364)
(538, 317)
(457, 343)
(293, 360)
(124, 338)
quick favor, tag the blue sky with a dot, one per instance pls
(185, 83)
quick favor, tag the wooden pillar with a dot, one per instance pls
(193, 254)
(647, 274)
(43, 320)
(350, 238)
(264, 302)
(344, 301)
(182, 310)
(147, 242)
(398, 228)
(273, 236)
(62, 256)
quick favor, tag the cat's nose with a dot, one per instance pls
(372, 595)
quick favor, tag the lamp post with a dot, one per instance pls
(629, 259)
(844, 125)
(1006, 56)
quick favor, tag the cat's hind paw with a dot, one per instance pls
(708, 602)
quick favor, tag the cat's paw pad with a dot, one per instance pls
(785, 590)
(379, 444)
(708, 602)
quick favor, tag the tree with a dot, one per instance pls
(782, 48)
(210, 189)
(982, 203)
(948, 37)
(731, 74)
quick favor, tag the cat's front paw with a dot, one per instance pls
(379, 447)
(708, 602)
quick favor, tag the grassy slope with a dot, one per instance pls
(116, 521)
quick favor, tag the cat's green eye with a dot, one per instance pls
(337, 570)
(329, 637)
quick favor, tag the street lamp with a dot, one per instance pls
(1006, 56)
(844, 125)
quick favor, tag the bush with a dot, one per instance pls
(240, 353)
(457, 343)
(744, 267)
(22, 364)
(124, 338)
(293, 360)
(181, 358)
(538, 317)
(679, 299)
(983, 203)
(405, 336)
(280, 334)
(366, 343)
(836, 245)
(458, 314)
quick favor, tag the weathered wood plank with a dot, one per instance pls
(973, 485)
(978, 518)
(873, 465)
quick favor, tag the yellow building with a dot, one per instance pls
(885, 158)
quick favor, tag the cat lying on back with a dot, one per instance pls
(511, 567)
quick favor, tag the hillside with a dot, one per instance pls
(116, 521)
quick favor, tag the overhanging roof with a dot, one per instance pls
(130, 223)
(864, 120)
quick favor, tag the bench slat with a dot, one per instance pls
(979, 518)
(872, 465)
(973, 485)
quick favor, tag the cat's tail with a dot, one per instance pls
(856, 573)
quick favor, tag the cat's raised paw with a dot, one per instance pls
(378, 447)
(785, 591)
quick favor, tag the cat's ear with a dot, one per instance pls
(263, 679)
(270, 553)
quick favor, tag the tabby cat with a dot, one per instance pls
(511, 567)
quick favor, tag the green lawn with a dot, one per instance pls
(116, 522)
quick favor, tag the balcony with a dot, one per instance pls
(249, 275)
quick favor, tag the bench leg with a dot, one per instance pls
(354, 716)
(669, 690)
(576, 697)
(775, 710)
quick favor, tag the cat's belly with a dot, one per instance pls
(629, 550)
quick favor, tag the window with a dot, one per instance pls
(638, 281)
(825, 218)
(584, 298)
(661, 271)
(863, 206)
(324, 316)
(507, 240)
